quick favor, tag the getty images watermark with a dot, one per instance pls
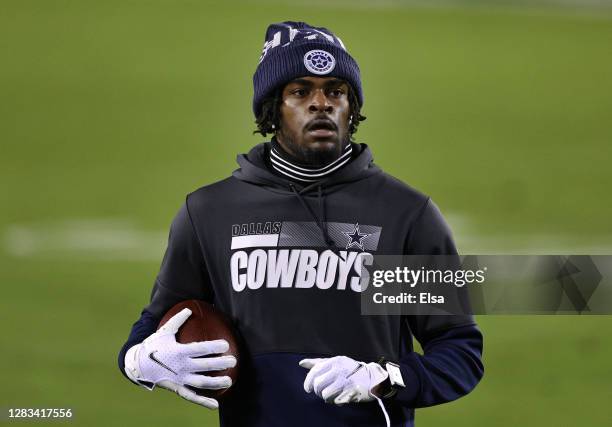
(487, 284)
(411, 278)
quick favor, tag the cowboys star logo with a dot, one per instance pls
(355, 237)
(319, 61)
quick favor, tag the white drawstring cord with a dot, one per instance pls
(382, 406)
(378, 399)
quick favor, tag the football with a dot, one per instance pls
(207, 323)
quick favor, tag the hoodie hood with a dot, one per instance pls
(255, 170)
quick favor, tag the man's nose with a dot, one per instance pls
(320, 103)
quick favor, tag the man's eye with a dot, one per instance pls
(299, 92)
(337, 93)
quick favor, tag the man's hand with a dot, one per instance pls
(160, 360)
(342, 380)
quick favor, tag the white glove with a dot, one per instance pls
(160, 360)
(342, 380)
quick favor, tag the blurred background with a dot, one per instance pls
(111, 111)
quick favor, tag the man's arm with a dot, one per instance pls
(451, 364)
(182, 276)
(450, 367)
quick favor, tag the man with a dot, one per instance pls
(279, 247)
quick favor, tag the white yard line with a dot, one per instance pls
(472, 240)
(102, 239)
(112, 239)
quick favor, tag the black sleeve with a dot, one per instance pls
(451, 363)
(182, 276)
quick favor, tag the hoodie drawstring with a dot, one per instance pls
(320, 219)
(326, 237)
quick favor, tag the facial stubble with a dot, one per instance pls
(314, 155)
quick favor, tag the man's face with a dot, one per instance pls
(314, 119)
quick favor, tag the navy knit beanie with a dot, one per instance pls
(296, 49)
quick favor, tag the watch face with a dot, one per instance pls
(395, 375)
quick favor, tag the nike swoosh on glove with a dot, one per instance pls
(342, 380)
(161, 360)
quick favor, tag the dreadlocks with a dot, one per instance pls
(268, 120)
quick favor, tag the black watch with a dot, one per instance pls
(395, 378)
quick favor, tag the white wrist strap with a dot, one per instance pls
(132, 367)
(131, 363)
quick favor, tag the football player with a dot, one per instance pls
(279, 246)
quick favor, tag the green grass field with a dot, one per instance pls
(113, 110)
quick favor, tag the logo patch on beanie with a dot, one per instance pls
(319, 62)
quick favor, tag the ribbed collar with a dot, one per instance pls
(282, 163)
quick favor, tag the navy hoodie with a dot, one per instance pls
(283, 261)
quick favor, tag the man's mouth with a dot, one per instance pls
(321, 128)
